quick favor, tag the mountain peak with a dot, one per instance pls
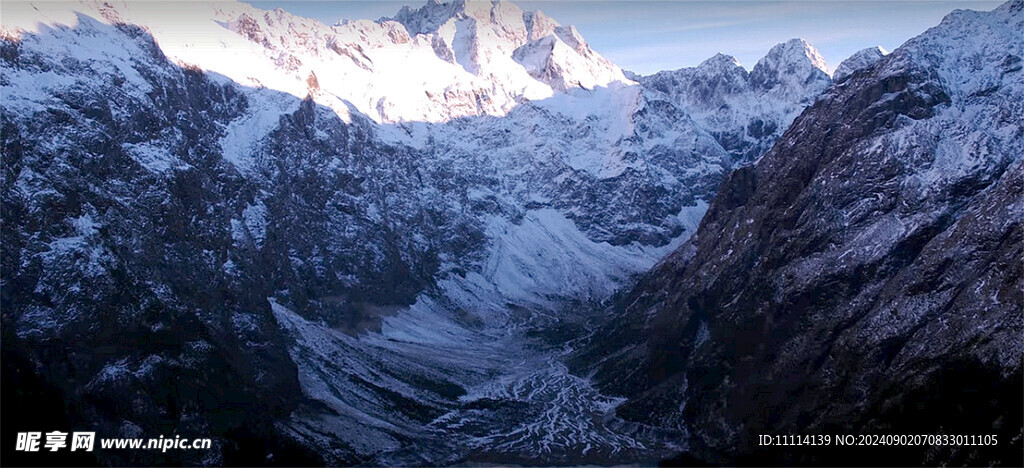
(538, 24)
(720, 61)
(497, 39)
(794, 51)
(791, 65)
(861, 59)
(506, 18)
(435, 13)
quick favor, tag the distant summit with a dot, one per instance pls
(790, 67)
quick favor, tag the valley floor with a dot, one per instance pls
(520, 405)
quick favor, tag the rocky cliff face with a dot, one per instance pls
(118, 284)
(863, 277)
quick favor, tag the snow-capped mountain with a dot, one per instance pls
(864, 276)
(746, 112)
(384, 234)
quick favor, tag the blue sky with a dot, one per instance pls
(647, 36)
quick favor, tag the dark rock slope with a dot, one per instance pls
(864, 277)
(113, 275)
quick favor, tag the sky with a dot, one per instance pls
(648, 36)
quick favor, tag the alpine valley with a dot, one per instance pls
(460, 235)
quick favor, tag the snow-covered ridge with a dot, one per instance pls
(859, 60)
(967, 66)
(469, 57)
(747, 111)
